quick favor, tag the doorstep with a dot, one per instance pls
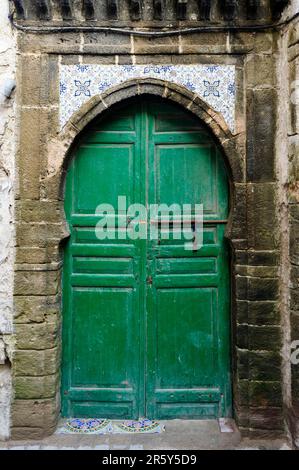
(178, 435)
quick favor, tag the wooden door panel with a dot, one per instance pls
(184, 337)
(188, 297)
(184, 265)
(109, 312)
(102, 356)
(108, 173)
(104, 265)
(185, 175)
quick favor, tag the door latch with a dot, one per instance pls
(149, 280)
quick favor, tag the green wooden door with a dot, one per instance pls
(146, 322)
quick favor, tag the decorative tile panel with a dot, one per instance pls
(215, 84)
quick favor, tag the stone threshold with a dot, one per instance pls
(178, 435)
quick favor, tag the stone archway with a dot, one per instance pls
(42, 397)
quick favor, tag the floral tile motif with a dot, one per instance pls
(84, 426)
(139, 427)
(215, 84)
(105, 426)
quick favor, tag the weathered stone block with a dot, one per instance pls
(295, 386)
(294, 212)
(264, 42)
(294, 277)
(255, 433)
(295, 327)
(33, 43)
(267, 418)
(294, 299)
(236, 148)
(29, 164)
(94, 59)
(239, 216)
(162, 45)
(242, 311)
(260, 259)
(37, 336)
(209, 43)
(36, 363)
(256, 289)
(36, 309)
(39, 211)
(263, 313)
(49, 93)
(251, 42)
(37, 283)
(257, 271)
(262, 271)
(293, 423)
(35, 387)
(241, 287)
(264, 366)
(242, 336)
(293, 104)
(39, 234)
(38, 80)
(264, 338)
(25, 433)
(38, 255)
(294, 242)
(35, 413)
(263, 233)
(241, 257)
(294, 35)
(242, 393)
(264, 394)
(263, 258)
(260, 71)
(101, 43)
(261, 123)
(29, 67)
(242, 363)
(242, 417)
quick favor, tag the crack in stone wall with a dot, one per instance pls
(7, 169)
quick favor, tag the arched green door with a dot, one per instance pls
(146, 324)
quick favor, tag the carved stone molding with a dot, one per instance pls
(19, 6)
(219, 11)
(88, 9)
(66, 9)
(43, 9)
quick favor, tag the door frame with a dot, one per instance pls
(226, 403)
(60, 150)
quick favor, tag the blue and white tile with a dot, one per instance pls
(215, 84)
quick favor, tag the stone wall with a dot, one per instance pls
(292, 195)
(256, 315)
(264, 250)
(7, 155)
